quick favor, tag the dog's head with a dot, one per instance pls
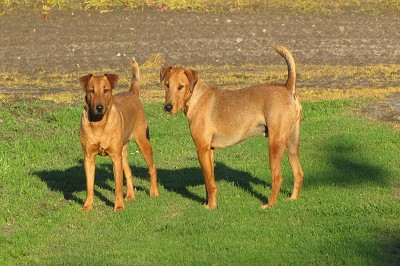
(179, 84)
(98, 94)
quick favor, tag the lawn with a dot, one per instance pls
(348, 212)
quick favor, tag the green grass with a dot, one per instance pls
(311, 6)
(348, 212)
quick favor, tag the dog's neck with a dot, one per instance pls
(195, 96)
(101, 130)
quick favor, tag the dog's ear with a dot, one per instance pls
(84, 81)
(163, 71)
(113, 79)
(192, 76)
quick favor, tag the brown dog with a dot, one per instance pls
(220, 118)
(108, 123)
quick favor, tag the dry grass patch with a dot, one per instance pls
(340, 94)
(314, 82)
(308, 6)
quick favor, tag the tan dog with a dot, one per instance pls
(220, 118)
(108, 123)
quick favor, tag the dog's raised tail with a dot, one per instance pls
(291, 80)
(135, 80)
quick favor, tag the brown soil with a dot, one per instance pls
(386, 110)
(78, 40)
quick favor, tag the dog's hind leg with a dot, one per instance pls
(292, 150)
(130, 195)
(276, 146)
(144, 145)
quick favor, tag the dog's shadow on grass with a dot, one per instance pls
(72, 181)
(347, 166)
(179, 181)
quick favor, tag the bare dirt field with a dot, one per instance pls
(80, 40)
(92, 39)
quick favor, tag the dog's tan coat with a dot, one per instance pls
(219, 118)
(108, 123)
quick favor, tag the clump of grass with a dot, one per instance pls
(154, 61)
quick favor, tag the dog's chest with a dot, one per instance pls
(100, 140)
(102, 136)
(102, 151)
(103, 142)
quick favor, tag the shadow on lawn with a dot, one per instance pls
(178, 181)
(383, 248)
(72, 180)
(347, 165)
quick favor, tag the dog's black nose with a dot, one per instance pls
(100, 108)
(168, 107)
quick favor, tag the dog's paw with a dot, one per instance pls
(209, 206)
(293, 197)
(154, 192)
(130, 197)
(119, 207)
(87, 206)
(266, 206)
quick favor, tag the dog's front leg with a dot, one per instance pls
(89, 165)
(206, 159)
(119, 182)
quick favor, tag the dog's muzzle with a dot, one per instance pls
(96, 113)
(168, 108)
(100, 109)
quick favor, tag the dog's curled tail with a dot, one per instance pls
(135, 80)
(291, 80)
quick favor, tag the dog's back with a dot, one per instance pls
(243, 113)
(128, 102)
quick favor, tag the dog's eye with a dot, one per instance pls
(106, 90)
(91, 90)
(180, 87)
